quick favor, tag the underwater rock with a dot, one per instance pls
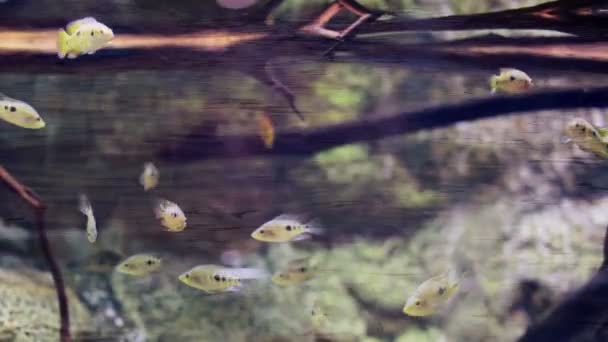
(29, 309)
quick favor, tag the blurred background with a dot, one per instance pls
(502, 199)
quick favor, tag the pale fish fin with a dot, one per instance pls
(602, 131)
(505, 69)
(72, 26)
(314, 227)
(160, 206)
(289, 217)
(84, 205)
(63, 46)
(247, 273)
(493, 83)
(72, 55)
(302, 237)
(236, 288)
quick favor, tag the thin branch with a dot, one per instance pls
(297, 142)
(582, 311)
(569, 16)
(40, 208)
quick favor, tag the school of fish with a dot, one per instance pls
(86, 36)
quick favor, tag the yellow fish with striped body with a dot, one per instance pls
(217, 279)
(170, 215)
(87, 210)
(286, 227)
(19, 113)
(297, 271)
(588, 137)
(139, 265)
(510, 80)
(149, 177)
(83, 36)
(431, 295)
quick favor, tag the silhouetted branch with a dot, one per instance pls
(297, 142)
(579, 17)
(40, 208)
(584, 310)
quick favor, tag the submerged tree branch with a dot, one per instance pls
(584, 310)
(579, 17)
(40, 208)
(202, 145)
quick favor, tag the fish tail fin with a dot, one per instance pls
(249, 273)
(314, 227)
(160, 205)
(84, 205)
(63, 45)
(493, 83)
(454, 278)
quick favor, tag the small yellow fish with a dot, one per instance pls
(149, 177)
(170, 215)
(139, 265)
(83, 36)
(588, 137)
(318, 316)
(19, 113)
(266, 130)
(87, 210)
(510, 80)
(430, 295)
(286, 228)
(297, 271)
(217, 279)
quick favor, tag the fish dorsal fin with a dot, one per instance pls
(74, 25)
(505, 70)
(289, 217)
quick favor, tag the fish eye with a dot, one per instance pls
(5, 107)
(512, 78)
(150, 262)
(216, 277)
(127, 265)
(262, 231)
(417, 303)
(223, 278)
(303, 269)
(78, 33)
(174, 214)
(92, 33)
(13, 109)
(38, 119)
(288, 228)
(187, 275)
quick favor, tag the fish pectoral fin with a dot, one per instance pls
(301, 237)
